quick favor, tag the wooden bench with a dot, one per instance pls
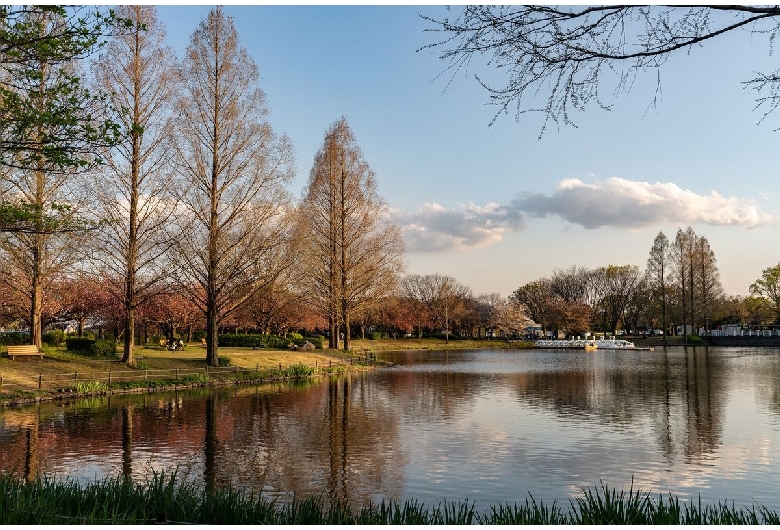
(27, 349)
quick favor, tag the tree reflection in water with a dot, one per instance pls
(483, 424)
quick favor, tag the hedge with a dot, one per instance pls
(15, 339)
(80, 344)
(257, 340)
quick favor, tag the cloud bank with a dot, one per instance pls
(614, 202)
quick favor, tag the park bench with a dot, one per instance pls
(27, 349)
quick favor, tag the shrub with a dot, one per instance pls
(443, 336)
(294, 337)
(141, 365)
(87, 335)
(103, 348)
(14, 339)
(375, 335)
(225, 361)
(54, 337)
(252, 341)
(79, 344)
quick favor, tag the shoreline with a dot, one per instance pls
(247, 367)
(27, 381)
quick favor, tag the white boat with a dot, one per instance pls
(588, 344)
(571, 344)
(615, 344)
(618, 344)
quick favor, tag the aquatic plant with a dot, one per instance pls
(165, 498)
(298, 370)
(90, 387)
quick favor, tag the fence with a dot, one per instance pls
(70, 380)
(743, 333)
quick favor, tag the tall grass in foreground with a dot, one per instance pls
(165, 499)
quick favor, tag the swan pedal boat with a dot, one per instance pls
(610, 344)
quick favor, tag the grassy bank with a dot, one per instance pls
(58, 361)
(163, 499)
(62, 373)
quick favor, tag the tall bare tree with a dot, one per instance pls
(707, 284)
(658, 275)
(232, 167)
(356, 248)
(137, 70)
(681, 252)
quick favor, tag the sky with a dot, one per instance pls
(496, 206)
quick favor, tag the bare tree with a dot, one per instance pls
(681, 250)
(617, 285)
(416, 296)
(658, 275)
(708, 287)
(137, 70)
(356, 249)
(440, 297)
(582, 55)
(572, 284)
(489, 309)
(538, 301)
(232, 168)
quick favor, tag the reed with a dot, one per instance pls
(165, 498)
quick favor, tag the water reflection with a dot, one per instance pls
(489, 425)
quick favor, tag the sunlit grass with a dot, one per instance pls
(21, 376)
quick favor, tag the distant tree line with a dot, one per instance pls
(679, 291)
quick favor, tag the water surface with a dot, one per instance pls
(489, 425)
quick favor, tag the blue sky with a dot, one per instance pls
(495, 206)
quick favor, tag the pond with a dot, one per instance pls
(489, 425)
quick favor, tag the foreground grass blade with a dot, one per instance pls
(166, 498)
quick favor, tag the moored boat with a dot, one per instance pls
(570, 344)
(588, 345)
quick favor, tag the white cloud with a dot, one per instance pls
(434, 227)
(623, 203)
(614, 202)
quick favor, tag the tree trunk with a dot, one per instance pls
(347, 340)
(212, 332)
(129, 331)
(36, 328)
